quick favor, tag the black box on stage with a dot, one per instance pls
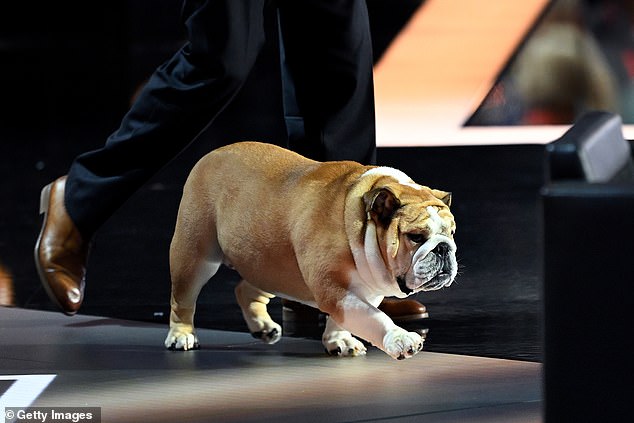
(588, 269)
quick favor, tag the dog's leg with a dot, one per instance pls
(366, 321)
(339, 341)
(253, 302)
(185, 291)
(195, 257)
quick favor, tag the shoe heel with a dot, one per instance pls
(45, 197)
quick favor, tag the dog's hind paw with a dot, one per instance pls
(181, 340)
(270, 334)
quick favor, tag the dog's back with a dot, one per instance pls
(251, 182)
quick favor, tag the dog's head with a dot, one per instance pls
(415, 231)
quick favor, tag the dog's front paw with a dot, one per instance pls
(400, 344)
(270, 333)
(342, 343)
(182, 338)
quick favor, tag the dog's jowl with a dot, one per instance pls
(338, 236)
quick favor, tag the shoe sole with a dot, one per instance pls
(45, 197)
(411, 318)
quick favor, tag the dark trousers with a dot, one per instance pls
(327, 56)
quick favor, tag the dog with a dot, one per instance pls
(338, 236)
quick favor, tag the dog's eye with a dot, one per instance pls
(417, 238)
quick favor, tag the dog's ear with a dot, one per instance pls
(443, 196)
(393, 241)
(380, 205)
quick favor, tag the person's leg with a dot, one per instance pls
(328, 56)
(180, 99)
(182, 96)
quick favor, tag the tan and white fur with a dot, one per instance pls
(338, 236)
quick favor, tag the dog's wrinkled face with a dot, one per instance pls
(415, 232)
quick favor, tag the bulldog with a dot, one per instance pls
(338, 236)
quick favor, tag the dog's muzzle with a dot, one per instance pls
(435, 265)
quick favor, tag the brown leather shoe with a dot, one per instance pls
(60, 251)
(403, 310)
(7, 296)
